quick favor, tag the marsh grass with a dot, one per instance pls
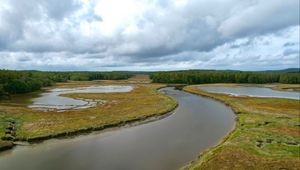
(120, 108)
(287, 87)
(267, 135)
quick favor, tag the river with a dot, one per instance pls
(197, 124)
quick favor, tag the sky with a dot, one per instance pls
(148, 35)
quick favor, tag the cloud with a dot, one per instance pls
(135, 34)
(289, 44)
(258, 17)
(290, 51)
(58, 9)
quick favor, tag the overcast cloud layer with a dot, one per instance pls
(107, 35)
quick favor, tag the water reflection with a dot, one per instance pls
(52, 100)
(251, 91)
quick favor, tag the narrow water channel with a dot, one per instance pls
(197, 124)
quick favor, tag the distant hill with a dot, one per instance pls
(288, 70)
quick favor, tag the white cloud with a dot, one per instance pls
(261, 16)
(135, 34)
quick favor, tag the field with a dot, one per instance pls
(19, 123)
(267, 135)
(286, 87)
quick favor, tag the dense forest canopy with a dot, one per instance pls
(15, 82)
(198, 77)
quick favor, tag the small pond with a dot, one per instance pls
(52, 99)
(251, 91)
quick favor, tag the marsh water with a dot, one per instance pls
(52, 99)
(252, 91)
(168, 143)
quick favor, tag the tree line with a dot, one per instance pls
(199, 77)
(15, 82)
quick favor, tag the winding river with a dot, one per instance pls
(169, 143)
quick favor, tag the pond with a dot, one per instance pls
(52, 99)
(197, 124)
(251, 91)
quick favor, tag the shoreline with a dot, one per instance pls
(224, 139)
(7, 146)
(228, 148)
(108, 130)
(86, 131)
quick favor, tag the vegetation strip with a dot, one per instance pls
(131, 122)
(266, 135)
(286, 87)
(17, 82)
(213, 76)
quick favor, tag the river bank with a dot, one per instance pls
(167, 143)
(266, 134)
(142, 103)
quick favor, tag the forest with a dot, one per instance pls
(199, 77)
(15, 82)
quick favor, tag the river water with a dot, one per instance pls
(169, 143)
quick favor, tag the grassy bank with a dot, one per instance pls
(287, 87)
(20, 123)
(267, 135)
